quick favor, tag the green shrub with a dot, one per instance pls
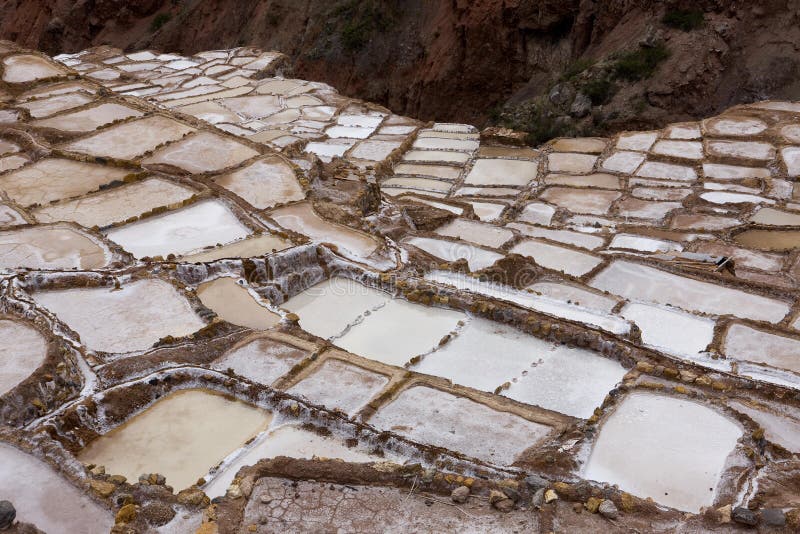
(599, 90)
(640, 64)
(159, 21)
(575, 68)
(684, 19)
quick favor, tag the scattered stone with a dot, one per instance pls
(157, 513)
(550, 496)
(535, 482)
(724, 514)
(460, 494)
(499, 500)
(511, 493)
(593, 504)
(117, 479)
(744, 516)
(7, 514)
(561, 94)
(577, 507)
(126, 514)
(581, 106)
(193, 497)
(102, 488)
(773, 517)
(98, 470)
(538, 498)
(608, 509)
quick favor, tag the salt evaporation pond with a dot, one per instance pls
(182, 436)
(28, 67)
(22, 351)
(51, 247)
(202, 152)
(769, 239)
(264, 184)
(484, 355)
(671, 449)
(47, 500)
(233, 303)
(177, 232)
(355, 386)
(261, 359)
(250, 247)
(432, 416)
(131, 318)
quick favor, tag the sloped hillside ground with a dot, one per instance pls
(550, 68)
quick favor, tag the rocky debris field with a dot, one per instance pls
(234, 301)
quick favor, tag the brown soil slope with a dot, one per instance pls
(461, 60)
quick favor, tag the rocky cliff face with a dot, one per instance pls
(549, 67)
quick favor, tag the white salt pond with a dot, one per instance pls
(28, 67)
(398, 331)
(327, 308)
(51, 247)
(115, 205)
(233, 303)
(293, 442)
(181, 231)
(302, 219)
(432, 416)
(568, 237)
(643, 283)
(250, 247)
(262, 359)
(672, 331)
(477, 232)
(42, 497)
(129, 319)
(202, 152)
(671, 449)
(182, 436)
(264, 184)
(355, 386)
(22, 351)
(502, 172)
(748, 344)
(557, 258)
(90, 119)
(477, 258)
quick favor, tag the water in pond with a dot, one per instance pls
(28, 67)
(261, 359)
(748, 344)
(55, 179)
(481, 233)
(188, 229)
(47, 500)
(502, 172)
(125, 320)
(355, 386)
(557, 258)
(250, 247)
(181, 436)
(671, 449)
(769, 239)
(477, 258)
(51, 247)
(264, 184)
(432, 416)
(22, 351)
(89, 119)
(202, 152)
(233, 303)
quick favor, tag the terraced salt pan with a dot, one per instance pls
(327, 308)
(115, 205)
(734, 126)
(443, 172)
(672, 331)
(791, 157)
(12, 162)
(202, 152)
(578, 296)
(181, 436)
(374, 150)
(741, 149)
(671, 449)
(565, 379)
(554, 305)
(748, 344)
(131, 139)
(691, 150)
(643, 283)
(439, 143)
(10, 217)
(398, 331)
(769, 239)
(477, 258)
(55, 179)
(436, 156)
(622, 161)
(291, 441)
(569, 162)
(302, 219)
(502, 172)
(601, 180)
(569, 237)
(481, 233)
(355, 386)
(89, 119)
(250, 247)
(51, 247)
(723, 197)
(417, 183)
(128, 319)
(264, 183)
(783, 430)
(557, 258)
(640, 141)
(432, 416)
(592, 201)
(47, 500)
(537, 213)
(487, 211)
(262, 360)
(233, 303)
(28, 67)
(54, 104)
(643, 244)
(488, 192)
(774, 217)
(591, 145)
(667, 171)
(181, 231)
(22, 351)
(644, 209)
(733, 172)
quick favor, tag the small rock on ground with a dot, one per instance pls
(7, 514)
(744, 516)
(608, 509)
(460, 494)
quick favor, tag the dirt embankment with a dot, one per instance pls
(552, 66)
